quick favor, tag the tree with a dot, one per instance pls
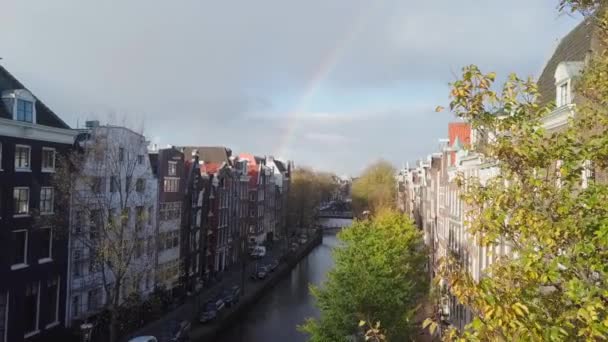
(379, 277)
(553, 285)
(308, 190)
(375, 188)
(113, 213)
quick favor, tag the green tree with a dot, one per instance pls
(379, 277)
(376, 188)
(554, 285)
(308, 190)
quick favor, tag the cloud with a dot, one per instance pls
(250, 75)
(327, 138)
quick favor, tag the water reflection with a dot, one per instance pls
(275, 317)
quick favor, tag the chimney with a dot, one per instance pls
(91, 123)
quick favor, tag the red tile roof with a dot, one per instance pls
(462, 131)
(252, 168)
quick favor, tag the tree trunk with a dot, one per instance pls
(114, 313)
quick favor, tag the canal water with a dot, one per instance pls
(275, 317)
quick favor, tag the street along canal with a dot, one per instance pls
(275, 316)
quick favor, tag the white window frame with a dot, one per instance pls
(37, 330)
(172, 166)
(23, 264)
(563, 99)
(48, 258)
(52, 200)
(28, 201)
(16, 112)
(48, 169)
(29, 159)
(56, 322)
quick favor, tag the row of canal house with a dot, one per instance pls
(182, 215)
(429, 192)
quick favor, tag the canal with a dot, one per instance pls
(275, 317)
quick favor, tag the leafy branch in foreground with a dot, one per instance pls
(553, 285)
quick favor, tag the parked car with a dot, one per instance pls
(258, 252)
(273, 265)
(181, 332)
(144, 339)
(262, 272)
(231, 295)
(219, 303)
(209, 313)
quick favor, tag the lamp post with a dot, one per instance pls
(86, 329)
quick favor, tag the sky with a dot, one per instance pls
(331, 84)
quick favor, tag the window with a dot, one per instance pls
(3, 315)
(97, 185)
(113, 184)
(128, 184)
(48, 159)
(22, 157)
(139, 248)
(78, 221)
(75, 306)
(126, 218)
(21, 200)
(140, 185)
(563, 95)
(172, 171)
(25, 111)
(149, 245)
(46, 244)
(139, 219)
(121, 154)
(52, 303)
(171, 184)
(31, 306)
(95, 221)
(78, 264)
(93, 300)
(140, 159)
(150, 214)
(46, 200)
(19, 249)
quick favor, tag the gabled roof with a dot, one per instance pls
(572, 47)
(212, 156)
(280, 166)
(44, 115)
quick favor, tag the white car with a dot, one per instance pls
(143, 339)
(258, 252)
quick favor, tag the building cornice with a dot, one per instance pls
(19, 129)
(558, 117)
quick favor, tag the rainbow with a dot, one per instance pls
(323, 70)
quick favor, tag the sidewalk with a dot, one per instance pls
(188, 311)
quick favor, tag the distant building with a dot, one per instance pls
(114, 200)
(169, 168)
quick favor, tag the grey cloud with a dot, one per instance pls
(209, 72)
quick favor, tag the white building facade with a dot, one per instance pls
(114, 203)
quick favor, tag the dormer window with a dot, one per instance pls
(25, 111)
(21, 104)
(565, 74)
(563, 94)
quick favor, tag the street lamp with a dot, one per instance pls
(86, 329)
